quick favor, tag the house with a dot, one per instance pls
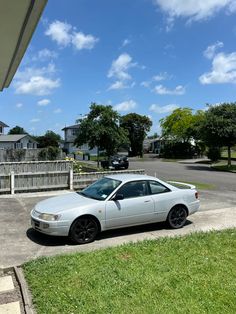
(70, 133)
(2, 126)
(153, 145)
(17, 141)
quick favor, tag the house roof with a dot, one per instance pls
(3, 124)
(18, 20)
(14, 138)
(75, 126)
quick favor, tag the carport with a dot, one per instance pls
(18, 20)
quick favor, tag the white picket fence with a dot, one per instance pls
(46, 175)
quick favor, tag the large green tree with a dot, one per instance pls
(101, 129)
(137, 127)
(17, 130)
(180, 125)
(50, 138)
(218, 128)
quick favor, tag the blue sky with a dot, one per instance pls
(143, 56)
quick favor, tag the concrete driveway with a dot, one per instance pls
(20, 243)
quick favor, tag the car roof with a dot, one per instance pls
(125, 177)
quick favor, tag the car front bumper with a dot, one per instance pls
(55, 228)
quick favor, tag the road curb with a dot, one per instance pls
(26, 296)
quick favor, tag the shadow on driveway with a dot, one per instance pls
(46, 240)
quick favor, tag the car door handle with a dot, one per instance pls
(147, 201)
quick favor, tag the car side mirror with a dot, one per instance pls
(118, 197)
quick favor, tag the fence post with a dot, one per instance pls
(12, 183)
(71, 178)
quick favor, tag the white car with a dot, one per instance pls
(115, 201)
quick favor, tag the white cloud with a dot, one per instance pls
(126, 42)
(60, 33)
(163, 109)
(58, 110)
(35, 120)
(125, 105)
(82, 41)
(36, 81)
(193, 10)
(161, 77)
(117, 85)
(65, 34)
(145, 83)
(223, 70)
(46, 54)
(120, 66)
(210, 52)
(19, 105)
(162, 90)
(37, 85)
(43, 102)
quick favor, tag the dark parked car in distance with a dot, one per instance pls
(117, 162)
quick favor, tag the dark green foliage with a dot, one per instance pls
(218, 128)
(178, 150)
(213, 153)
(49, 153)
(49, 139)
(101, 129)
(17, 130)
(137, 127)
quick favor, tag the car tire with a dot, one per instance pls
(84, 230)
(177, 217)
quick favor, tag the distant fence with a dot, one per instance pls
(46, 175)
(17, 155)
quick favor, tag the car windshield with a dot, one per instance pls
(101, 189)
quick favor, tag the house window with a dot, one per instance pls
(1, 129)
(74, 131)
(18, 145)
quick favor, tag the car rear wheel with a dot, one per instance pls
(177, 217)
(84, 230)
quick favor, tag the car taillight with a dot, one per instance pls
(196, 195)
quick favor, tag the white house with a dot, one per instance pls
(15, 141)
(70, 133)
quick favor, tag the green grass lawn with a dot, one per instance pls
(192, 274)
(199, 185)
(224, 167)
(224, 153)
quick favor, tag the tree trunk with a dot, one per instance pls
(98, 157)
(229, 156)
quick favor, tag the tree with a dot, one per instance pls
(178, 125)
(49, 139)
(17, 130)
(218, 128)
(137, 127)
(101, 129)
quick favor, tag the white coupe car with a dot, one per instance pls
(115, 201)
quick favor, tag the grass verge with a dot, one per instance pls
(224, 167)
(199, 185)
(192, 274)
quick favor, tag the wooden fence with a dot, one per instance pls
(46, 175)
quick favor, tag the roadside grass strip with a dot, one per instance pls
(191, 274)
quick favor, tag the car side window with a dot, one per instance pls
(157, 188)
(133, 189)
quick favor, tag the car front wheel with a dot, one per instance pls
(84, 230)
(177, 217)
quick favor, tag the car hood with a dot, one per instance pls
(55, 205)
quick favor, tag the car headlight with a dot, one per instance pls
(49, 217)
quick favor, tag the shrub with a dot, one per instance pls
(213, 153)
(177, 150)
